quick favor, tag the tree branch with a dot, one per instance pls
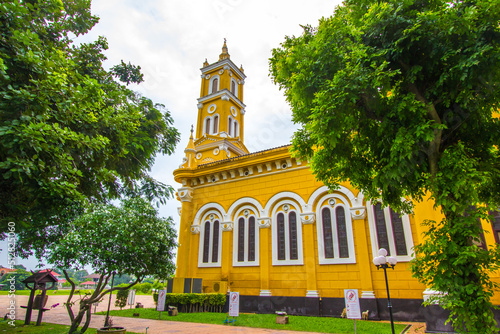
(68, 302)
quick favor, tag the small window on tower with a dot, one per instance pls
(207, 126)
(215, 85)
(216, 124)
(229, 126)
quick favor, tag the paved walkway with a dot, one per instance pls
(59, 315)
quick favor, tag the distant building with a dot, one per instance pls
(4, 270)
(60, 280)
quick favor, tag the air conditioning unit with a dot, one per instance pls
(219, 287)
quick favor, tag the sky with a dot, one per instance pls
(170, 40)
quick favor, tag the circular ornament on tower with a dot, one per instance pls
(234, 112)
(211, 108)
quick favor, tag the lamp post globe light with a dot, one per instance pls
(384, 262)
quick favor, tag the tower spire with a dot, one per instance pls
(224, 54)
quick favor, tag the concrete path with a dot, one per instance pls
(59, 315)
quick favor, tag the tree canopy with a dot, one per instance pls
(400, 98)
(70, 131)
(130, 239)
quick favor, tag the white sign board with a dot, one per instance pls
(131, 297)
(352, 304)
(234, 304)
(160, 306)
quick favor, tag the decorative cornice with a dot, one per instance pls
(223, 94)
(227, 226)
(222, 64)
(307, 218)
(358, 212)
(195, 229)
(185, 194)
(264, 222)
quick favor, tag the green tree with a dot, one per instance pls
(19, 276)
(69, 132)
(121, 298)
(127, 240)
(399, 99)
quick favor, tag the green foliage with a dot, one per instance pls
(399, 99)
(130, 239)
(127, 240)
(69, 133)
(19, 275)
(214, 301)
(144, 287)
(121, 298)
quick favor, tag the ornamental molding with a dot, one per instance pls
(179, 210)
(264, 222)
(227, 96)
(307, 218)
(227, 226)
(185, 194)
(195, 229)
(358, 212)
(225, 64)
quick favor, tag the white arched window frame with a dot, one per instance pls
(234, 87)
(211, 124)
(336, 259)
(210, 240)
(247, 233)
(236, 129)
(213, 85)
(287, 261)
(390, 229)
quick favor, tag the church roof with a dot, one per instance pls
(253, 154)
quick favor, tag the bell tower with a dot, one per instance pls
(219, 131)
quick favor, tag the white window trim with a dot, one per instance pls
(392, 247)
(212, 121)
(350, 238)
(206, 218)
(274, 234)
(211, 82)
(245, 262)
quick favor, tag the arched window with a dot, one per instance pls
(287, 239)
(216, 124)
(335, 236)
(207, 125)
(245, 242)
(236, 129)
(215, 85)
(230, 126)
(210, 243)
(390, 230)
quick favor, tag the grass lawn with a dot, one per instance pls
(297, 323)
(43, 329)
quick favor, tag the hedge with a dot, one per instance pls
(194, 302)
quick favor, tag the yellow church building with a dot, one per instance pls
(262, 225)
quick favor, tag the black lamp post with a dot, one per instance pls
(384, 262)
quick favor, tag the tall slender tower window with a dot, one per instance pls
(207, 126)
(230, 126)
(215, 85)
(216, 124)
